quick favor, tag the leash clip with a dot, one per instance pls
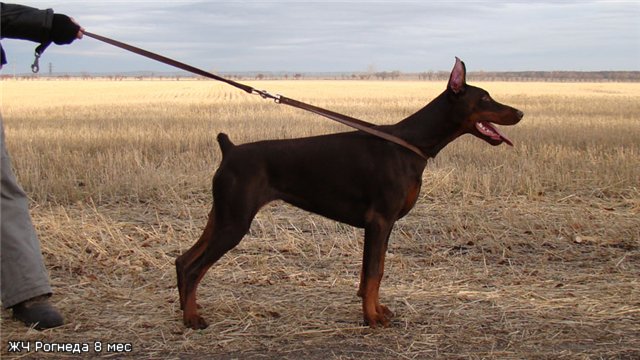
(267, 95)
(35, 67)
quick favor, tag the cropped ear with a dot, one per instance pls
(457, 80)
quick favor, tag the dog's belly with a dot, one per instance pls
(335, 207)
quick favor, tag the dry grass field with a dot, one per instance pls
(530, 252)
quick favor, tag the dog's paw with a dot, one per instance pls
(384, 311)
(381, 317)
(196, 322)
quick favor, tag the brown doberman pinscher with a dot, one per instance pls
(352, 177)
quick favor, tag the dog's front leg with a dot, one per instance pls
(376, 236)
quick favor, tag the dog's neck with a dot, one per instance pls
(430, 128)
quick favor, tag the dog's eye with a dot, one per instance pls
(486, 98)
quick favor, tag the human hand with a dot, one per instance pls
(80, 33)
(64, 30)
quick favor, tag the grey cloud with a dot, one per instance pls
(349, 36)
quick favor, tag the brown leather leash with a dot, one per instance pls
(361, 125)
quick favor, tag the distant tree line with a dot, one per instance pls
(548, 76)
(612, 76)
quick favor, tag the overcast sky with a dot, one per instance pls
(304, 36)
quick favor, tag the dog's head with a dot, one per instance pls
(476, 111)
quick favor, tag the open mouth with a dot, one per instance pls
(492, 132)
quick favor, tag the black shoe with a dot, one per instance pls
(38, 312)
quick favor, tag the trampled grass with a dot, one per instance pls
(524, 252)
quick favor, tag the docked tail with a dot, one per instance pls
(225, 143)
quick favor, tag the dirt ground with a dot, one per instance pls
(463, 283)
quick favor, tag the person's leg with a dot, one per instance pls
(24, 282)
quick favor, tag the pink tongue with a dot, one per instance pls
(491, 131)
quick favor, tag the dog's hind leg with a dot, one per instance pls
(220, 242)
(236, 204)
(187, 258)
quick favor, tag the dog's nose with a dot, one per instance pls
(520, 114)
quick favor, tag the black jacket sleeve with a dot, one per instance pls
(26, 23)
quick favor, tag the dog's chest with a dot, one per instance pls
(411, 197)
